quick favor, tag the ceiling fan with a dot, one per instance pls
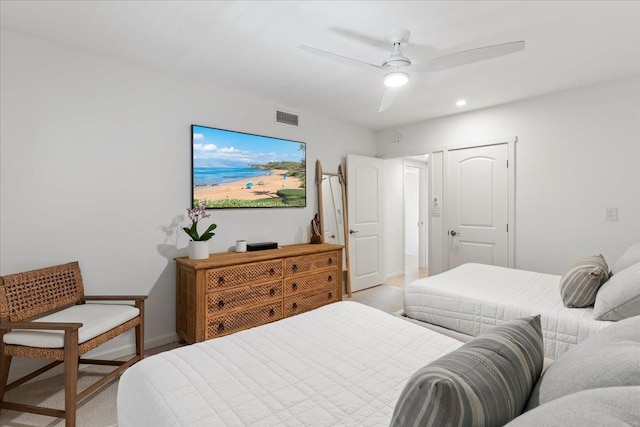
(397, 66)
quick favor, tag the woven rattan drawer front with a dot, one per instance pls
(301, 264)
(300, 303)
(220, 302)
(245, 319)
(244, 274)
(294, 285)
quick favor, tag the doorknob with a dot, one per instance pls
(453, 233)
(352, 231)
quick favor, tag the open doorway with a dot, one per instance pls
(411, 220)
(406, 227)
(415, 219)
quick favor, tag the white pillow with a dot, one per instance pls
(630, 257)
(619, 297)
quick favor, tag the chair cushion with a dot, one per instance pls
(610, 406)
(619, 297)
(485, 382)
(96, 319)
(580, 284)
(630, 257)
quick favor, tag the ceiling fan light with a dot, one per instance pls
(396, 79)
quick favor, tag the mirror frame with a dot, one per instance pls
(341, 177)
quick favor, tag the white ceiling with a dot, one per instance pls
(251, 47)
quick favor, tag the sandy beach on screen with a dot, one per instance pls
(238, 190)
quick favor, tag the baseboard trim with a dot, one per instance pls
(129, 349)
(394, 275)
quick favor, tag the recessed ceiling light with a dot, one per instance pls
(461, 102)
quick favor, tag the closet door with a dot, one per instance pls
(477, 205)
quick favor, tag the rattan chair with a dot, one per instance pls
(44, 314)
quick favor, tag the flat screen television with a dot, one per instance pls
(240, 170)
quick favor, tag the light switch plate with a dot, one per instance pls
(611, 214)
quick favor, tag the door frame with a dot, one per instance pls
(441, 178)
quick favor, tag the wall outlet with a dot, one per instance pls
(611, 214)
(435, 211)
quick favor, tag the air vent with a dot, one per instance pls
(286, 118)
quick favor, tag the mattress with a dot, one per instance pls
(472, 298)
(341, 364)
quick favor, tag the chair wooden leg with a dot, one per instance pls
(5, 365)
(140, 332)
(70, 376)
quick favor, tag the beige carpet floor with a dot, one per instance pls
(99, 409)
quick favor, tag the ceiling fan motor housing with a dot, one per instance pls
(396, 61)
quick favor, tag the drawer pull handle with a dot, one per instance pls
(330, 295)
(272, 271)
(220, 280)
(220, 304)
(330, 261)
(294, 286)
(220, 327)
(295, 306)
(329, 279)
(272, 313)
(294, 267)
(272, 292)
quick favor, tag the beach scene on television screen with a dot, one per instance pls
(239, 170)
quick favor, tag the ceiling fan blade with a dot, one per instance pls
(342, 59)
(387, 98)
(468, 56)
(362, 38)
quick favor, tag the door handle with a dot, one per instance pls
(352, 231)
(453, 233)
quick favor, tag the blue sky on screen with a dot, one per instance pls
(222, 148)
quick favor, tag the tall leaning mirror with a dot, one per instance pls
(332, 210)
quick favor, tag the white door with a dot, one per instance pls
(364, 203)
(477, 206)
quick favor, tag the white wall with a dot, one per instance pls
(95, 167)
(578, 152)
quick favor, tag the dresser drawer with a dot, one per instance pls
(301, 264)
(220, 302)
(294, 285)
(245, 319)
(244, 274)
(300, 303)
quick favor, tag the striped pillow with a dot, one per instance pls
(486, 382)
(580, 284)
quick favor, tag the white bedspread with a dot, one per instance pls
(472, 298)
(342, 364)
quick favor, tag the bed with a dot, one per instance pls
(344, 363)
(472, 298)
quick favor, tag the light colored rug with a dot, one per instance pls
(97, 410)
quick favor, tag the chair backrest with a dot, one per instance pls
(36, 292)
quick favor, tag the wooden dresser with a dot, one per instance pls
(230, 291)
